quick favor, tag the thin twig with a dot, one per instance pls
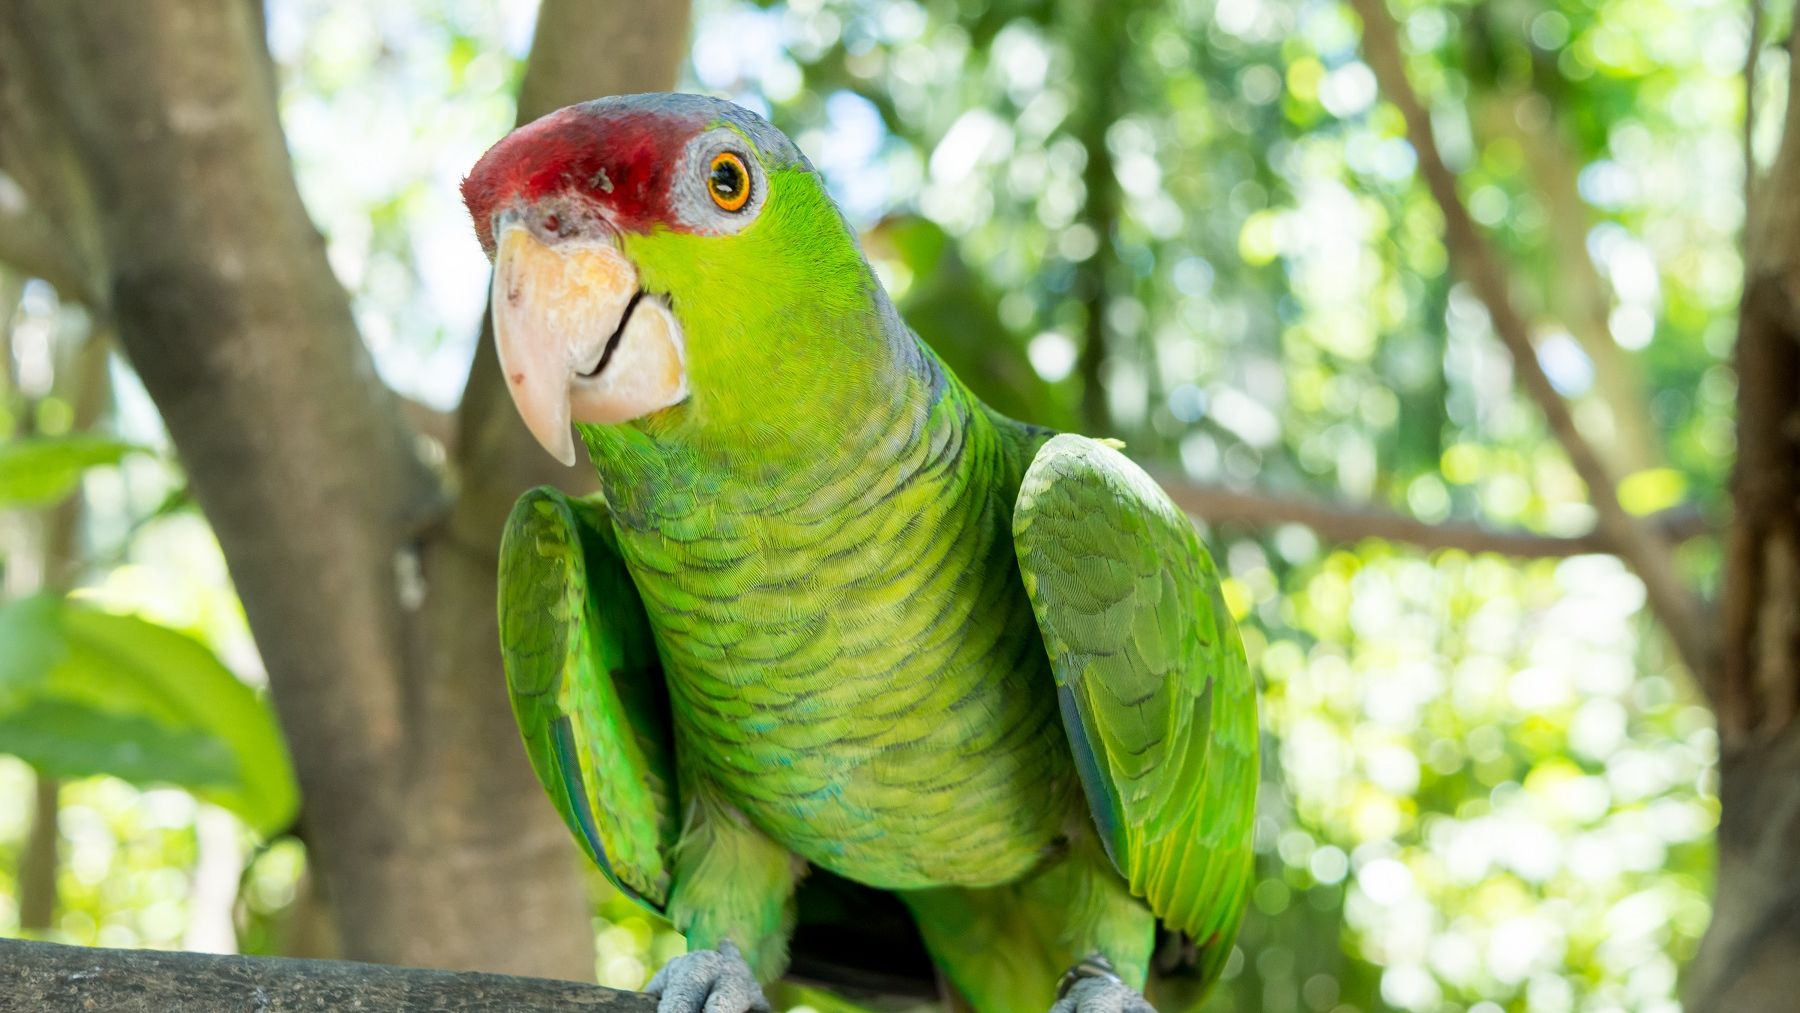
(1671, 600)
(1751, 58)
(38, 861)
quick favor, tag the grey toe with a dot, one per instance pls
(707, 981)
(1101, 995)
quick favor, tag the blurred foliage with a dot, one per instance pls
(41, 471)
(1489, 784)
(88, 692)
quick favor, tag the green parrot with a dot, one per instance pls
(829, 610)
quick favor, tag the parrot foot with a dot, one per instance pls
(1092, 987)
(708, 981)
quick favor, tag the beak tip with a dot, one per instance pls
(559, 443)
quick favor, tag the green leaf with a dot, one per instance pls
(40, 471)
(68, 739)
(1646, 492)
(138, 671)
(31, 645)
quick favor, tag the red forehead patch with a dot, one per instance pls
(621, 159)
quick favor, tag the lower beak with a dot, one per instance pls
(579, 341)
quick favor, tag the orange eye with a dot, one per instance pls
(728, 181)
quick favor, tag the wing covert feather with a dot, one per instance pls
(1157, 699)
(587, 688)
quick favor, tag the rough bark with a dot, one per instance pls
(1750, 959)
(43, 976)
(373, 615)
(580, 51)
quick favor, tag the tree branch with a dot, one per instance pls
(488, 821)
(1342, 524)
(1747, 960)
(1103, 59)
(47, 224)
(50, 976)
(1671, 601)
(1758, 691)
(377, 627)
(231, 315)
(1752, 59)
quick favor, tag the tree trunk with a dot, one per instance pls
(1750, 958)
(369, 589)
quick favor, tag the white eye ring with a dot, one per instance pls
(698, 205)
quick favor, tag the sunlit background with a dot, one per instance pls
(1488, 779)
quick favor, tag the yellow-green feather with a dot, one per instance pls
(586, 688)
(1156, 690)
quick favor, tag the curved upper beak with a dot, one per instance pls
(578, 340)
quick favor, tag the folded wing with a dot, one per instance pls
(587, 688)
(1157, 701)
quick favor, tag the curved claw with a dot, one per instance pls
(708, 981)
(1092, 987)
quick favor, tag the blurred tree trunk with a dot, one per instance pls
(1102, 59)
(80, 380)
(368, 581)
(1750, 959)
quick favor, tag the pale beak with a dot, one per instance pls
(579, 341)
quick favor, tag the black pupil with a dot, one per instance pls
(727, 178)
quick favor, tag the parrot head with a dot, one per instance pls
(655, 259)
